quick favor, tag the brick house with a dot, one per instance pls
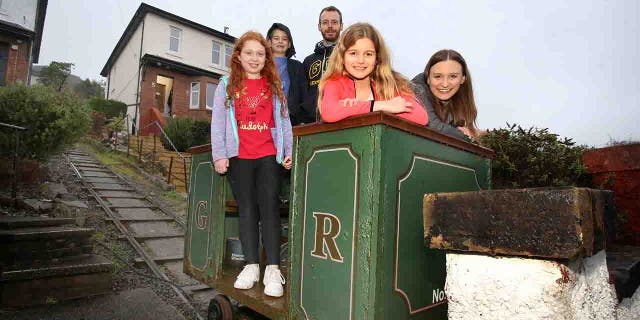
(21, 24)
(166, 66)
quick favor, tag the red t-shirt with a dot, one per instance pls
(254, 114)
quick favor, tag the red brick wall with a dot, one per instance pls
(181, 93)
(18, 61)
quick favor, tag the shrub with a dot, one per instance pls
(97, 123)
(180, 132)
(534, 157)
(116, 124)
(55, 120)
(614, 143)
(201, 133)
(110, 108)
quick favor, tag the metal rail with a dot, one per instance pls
(149, 261)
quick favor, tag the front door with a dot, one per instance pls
(160, 94)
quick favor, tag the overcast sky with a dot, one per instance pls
(570, 66)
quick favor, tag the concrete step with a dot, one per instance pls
(27, 245)
(86, 166)
(141, 219)
(160, 259)
(27, 222)
(82, 264)
(129, 203)
(154, 236)
(165, 247)
(83, 160)
(76, 152)
(44, 233)
(120, 194)
(90, 164)
(91, 168)
(102, 180)
(46, 282)
(30, 252)
(152, 228)
(114, 187)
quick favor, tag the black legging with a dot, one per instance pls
(256, 184)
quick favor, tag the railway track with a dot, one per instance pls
(155, 233)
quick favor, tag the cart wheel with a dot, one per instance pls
(245, 313)
(220, 308)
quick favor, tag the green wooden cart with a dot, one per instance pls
(356, 239)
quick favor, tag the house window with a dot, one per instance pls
(4, 58)
(211, 91)
(216, 50)
(228, 50)
(194, 102)
(175, 35)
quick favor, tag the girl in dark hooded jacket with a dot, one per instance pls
(445, 89)
(290, 70)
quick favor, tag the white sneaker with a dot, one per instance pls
(273, 281)
(249, 276)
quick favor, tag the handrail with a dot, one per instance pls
(165, 136)
(12, 126)
(155, 122)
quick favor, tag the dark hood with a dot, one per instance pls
(420, 85)
(292, 50)
(323, 49)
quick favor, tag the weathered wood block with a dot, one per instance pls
(558, 223)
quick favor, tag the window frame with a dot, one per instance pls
(179, 38)
(191, 92)
(226, 62)
(220, 52)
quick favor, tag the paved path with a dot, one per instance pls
(154, 228)
(136, 304)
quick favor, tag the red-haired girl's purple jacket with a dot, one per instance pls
(224, 128)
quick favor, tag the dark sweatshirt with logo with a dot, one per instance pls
(314, 66)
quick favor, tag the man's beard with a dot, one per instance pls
(333, 39)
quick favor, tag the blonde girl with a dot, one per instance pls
(359, 79)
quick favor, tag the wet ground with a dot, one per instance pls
(136, 292)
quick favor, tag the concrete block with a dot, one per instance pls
(483, 287)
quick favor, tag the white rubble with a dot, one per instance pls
(629, 309)
(484, 287)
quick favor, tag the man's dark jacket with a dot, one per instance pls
(314, 66)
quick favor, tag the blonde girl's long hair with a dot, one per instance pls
(269, 72)
(462, 106)
(388, 83)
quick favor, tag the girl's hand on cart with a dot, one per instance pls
(396, 105)
(286, 163)
(221, 165)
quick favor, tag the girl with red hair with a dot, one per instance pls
(250, 138)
